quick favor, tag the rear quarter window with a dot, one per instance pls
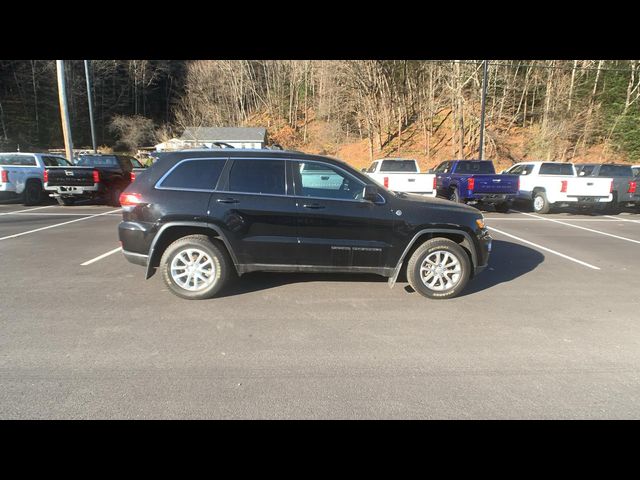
(194, 174)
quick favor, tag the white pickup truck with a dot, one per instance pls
(546, 185)
(22, 175)
(402, 175)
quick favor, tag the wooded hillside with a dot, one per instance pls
(557, 110)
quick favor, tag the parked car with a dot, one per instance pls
(475, 182)
(202, 217)
(22, 175)
(402, 175)
(547, 185)
(624, 190)
(95, 177)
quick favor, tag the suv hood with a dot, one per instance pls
(437, 203)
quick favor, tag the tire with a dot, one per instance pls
(219, 263)
(502, 207)
(454, 196)
(32, 194)
(430, 251)
(612, 207)
(114, 197)
(66, 202)
(540, 204)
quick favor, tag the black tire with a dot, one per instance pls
(114, 197)
(612, 207)
(454, 197)
(541, 205)
(32, 194)
(432, 247)
(213, 249)
(502, 207)
(66, 202)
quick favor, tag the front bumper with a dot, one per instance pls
(485, 243)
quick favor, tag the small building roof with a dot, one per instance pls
(225, 134)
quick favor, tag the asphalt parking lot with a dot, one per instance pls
(550, 330)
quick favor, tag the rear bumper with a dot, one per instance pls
(72, 191)
(491, 197)
(136, 238)
(137, 258)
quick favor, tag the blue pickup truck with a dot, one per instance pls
(475, 182)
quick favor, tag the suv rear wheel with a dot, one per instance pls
(195, 268)
(439, 268)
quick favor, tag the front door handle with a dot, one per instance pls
(314, 206)
(227, 200)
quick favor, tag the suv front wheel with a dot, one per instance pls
(439, 268)
(195, 268)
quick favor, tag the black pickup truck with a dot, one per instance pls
(94, 177)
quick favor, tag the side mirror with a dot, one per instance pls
(370, 193)
(430, 170)
(363, 170)
(503, 172)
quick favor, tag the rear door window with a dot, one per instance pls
(200, 174)
(258, 176)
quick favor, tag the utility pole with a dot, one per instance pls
(89, 97)
(64, 112)
(484, 97)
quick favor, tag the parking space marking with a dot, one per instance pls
(57, 225)
(545, 249)
(582, 228)
(100, 257)
(27, 210)
(622, 219)
(57, 214)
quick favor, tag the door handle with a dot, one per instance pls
(314, 206)
(227, 200)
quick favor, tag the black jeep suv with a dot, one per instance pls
(204, 216)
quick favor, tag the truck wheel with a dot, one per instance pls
(439, 268)
(540, 203)
(114, 198)
(454, 196)
(502, 207)
(32, 194)
(195, 268)
(66, 202)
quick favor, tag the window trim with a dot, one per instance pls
(158, 185)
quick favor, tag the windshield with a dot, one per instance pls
(18, 160)
(97, 161)
(475, 167)
(398, 166)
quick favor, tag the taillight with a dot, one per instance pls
(130, 199)
(611, 187)
(96, 176)
(518, 183)
(46, 176)
(563, 188)
(632, 187)
(386, 182)
(5, 176)
(471, 183)
(435, 183)
(132, 176)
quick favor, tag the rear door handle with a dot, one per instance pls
(227, 200)
(314, 206)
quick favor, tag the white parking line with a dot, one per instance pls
(596, 219)
(100, 257)
(27, 210)
(57, 225)
(622, 219)
(582, 228)
(545, 249)
(58, 214)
